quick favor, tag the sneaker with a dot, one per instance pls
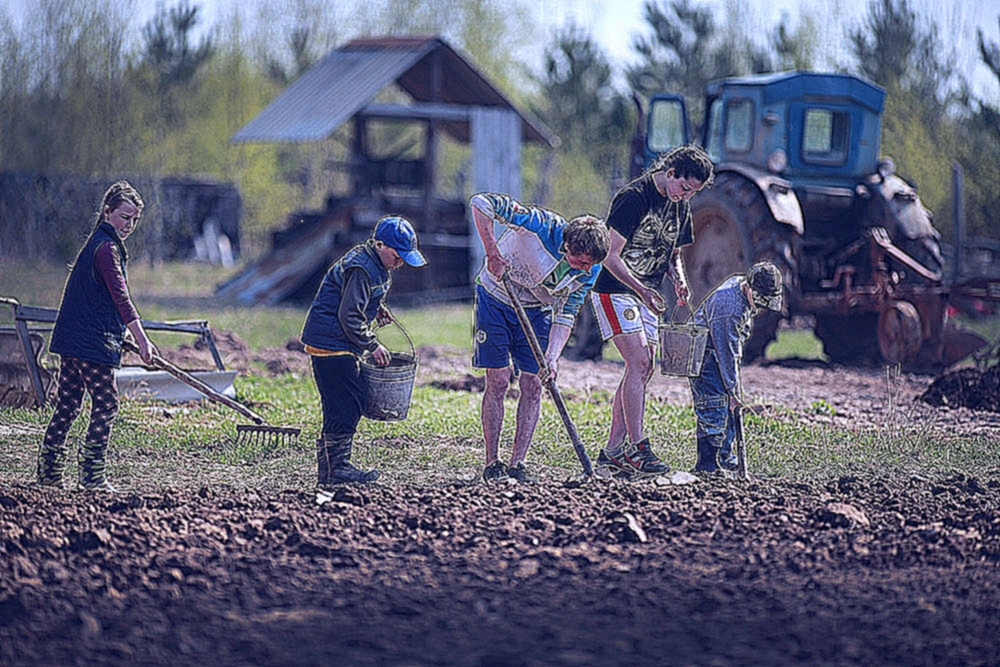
(616, 466)
(520, 474)
(643, 461)
(495, 472)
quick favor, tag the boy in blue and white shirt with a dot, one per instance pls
(728, 314)
(552, 265)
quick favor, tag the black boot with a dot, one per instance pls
(92, 463)
(706, 456)
(342, 471)
(322, 462)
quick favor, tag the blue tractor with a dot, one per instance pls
(800, 181)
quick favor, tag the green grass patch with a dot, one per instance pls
(156, 445)
(441, 441)
(795, 344)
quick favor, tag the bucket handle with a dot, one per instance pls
(669, 319)
(413, 350)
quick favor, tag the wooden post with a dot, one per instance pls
(958, 197)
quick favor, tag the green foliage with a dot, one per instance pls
(689, 48)
(168, 49)
(578, 188)
(897, 50)
(821, 407)
(580, 103)
(796, 49)
(916, 151)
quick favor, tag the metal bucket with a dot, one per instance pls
(389, 388)
(682, 349)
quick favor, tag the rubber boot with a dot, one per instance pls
(727, 457)
(342, 471)
(706, 456)
(51, 465)
(93, 463)
(322, 462)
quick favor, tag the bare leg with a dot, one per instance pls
(528, 408)
(497, 380)
(638, 356)
(618, 433)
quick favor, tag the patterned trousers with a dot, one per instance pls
(76, 377)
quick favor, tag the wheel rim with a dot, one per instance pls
(899, 332)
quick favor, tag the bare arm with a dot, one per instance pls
(495, 262)
(558, 335)
(678, 278)
(616, 265)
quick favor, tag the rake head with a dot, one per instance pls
(265, 436)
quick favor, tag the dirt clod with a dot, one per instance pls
(966, 387)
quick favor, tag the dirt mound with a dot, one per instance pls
(966, 387)
(855, 572)
(237, 355)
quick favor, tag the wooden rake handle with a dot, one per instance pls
(188, 379)
(550, 383)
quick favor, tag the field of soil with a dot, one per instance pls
(849, 571)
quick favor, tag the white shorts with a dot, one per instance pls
(624, 314)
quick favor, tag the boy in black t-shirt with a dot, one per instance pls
(649, 220)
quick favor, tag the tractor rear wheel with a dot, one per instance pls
(850, 340)
(734, 228)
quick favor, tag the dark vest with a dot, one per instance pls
(322, 328)
(88, 326)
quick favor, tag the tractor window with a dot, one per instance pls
(825, 137)
(739, 125)
(666, 125)
(713, 135)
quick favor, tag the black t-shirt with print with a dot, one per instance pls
(652, 226)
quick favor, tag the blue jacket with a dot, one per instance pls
(89, 326)
(533, 244)
(729, 317)
(322, 328)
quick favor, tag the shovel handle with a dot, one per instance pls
(741, 443)
(550, 383)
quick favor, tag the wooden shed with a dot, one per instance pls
(447, 94)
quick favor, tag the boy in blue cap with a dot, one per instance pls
(340, 328)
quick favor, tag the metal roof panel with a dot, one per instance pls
(332, 91)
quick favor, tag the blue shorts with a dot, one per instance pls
(498, 336)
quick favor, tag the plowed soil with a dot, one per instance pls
(721, 572)
(858, 572)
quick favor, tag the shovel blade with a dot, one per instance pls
(959, 344)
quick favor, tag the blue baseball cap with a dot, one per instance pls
(398, 234)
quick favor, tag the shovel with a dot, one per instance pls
(550, 383)
(741, 443)
(259, 431)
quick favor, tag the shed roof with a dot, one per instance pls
(339, 86)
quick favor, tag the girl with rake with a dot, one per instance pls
(95, 312)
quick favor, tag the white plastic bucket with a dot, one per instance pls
(682, 349)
